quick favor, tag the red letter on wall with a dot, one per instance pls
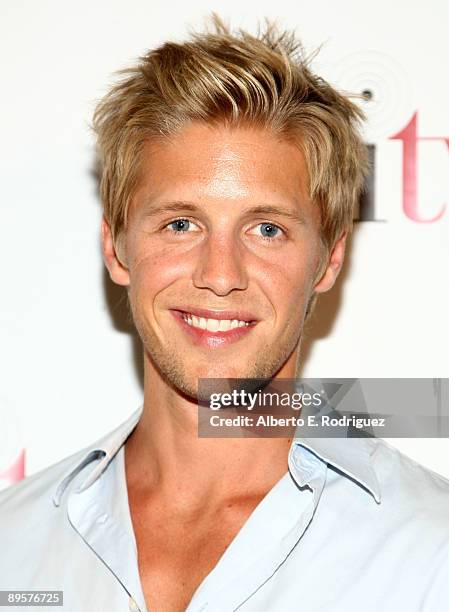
(409, 170)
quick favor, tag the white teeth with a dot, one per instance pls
(225, 325)
(213, 325)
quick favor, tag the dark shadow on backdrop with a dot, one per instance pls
(116, 298)
(117, 302)
(326, 308)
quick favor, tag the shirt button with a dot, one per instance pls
(133, 606)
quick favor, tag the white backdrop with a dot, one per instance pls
(68, 362)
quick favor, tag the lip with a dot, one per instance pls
(213, 340)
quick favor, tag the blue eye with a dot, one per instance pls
(269, 230)
(180, 225)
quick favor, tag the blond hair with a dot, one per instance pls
(236, 79)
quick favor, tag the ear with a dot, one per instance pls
(117, 270)
(334, 265)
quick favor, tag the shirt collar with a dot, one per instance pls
(102, 451)
(351, 456)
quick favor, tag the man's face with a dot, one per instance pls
(222, 247)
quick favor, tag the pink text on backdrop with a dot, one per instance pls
(410, 138)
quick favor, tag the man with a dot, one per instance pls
(230, 176)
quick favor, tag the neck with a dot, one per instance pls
(165, 456)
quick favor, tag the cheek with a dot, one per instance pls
(152, 273)
(288, 277)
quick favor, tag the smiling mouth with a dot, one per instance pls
(214, 329)
(214, 325)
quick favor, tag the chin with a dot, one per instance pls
(182, 371)
(222, 371)
(198, 385)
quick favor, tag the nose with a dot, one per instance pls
(220, 266)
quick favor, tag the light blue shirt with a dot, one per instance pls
(352, 526)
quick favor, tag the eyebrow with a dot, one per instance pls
(262, 209)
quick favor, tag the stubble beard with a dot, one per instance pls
(173, 369)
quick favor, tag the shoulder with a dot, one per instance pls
(394, 468)
(412, 494)
(33, 527)
(405, 531)
(414, 518)
(37, 491)
(45, 488)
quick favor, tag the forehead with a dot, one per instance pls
(240, 164)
